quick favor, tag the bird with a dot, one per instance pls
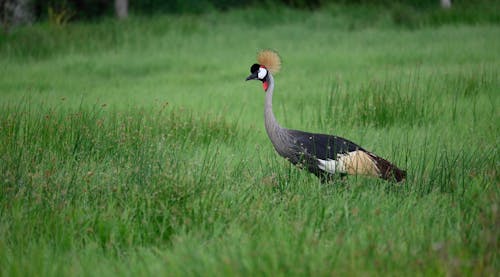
(326, 156)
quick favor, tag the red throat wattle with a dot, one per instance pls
(265, 85)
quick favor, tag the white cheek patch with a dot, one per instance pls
(262, 73)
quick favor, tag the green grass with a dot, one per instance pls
(136, 148)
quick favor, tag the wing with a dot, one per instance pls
(331, 154)
(322, 146)
(322, 153)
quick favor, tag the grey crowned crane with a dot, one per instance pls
(323, 155)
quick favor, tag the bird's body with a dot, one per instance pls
(321, 154)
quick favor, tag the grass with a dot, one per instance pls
(136, 148)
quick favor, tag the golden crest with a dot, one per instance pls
(270, 59)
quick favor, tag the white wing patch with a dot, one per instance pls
(355, 162)
(331, 166)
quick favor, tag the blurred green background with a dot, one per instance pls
(403, 11)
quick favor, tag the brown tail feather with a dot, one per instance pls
(387, 170)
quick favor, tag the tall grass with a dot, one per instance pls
(147, 155)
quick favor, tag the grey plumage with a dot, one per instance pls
(321, 154)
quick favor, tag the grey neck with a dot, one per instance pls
(270, 120)
(276, 133)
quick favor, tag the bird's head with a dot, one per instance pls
(258, 72)
(269, 62)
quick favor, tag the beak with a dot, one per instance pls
(252, 76)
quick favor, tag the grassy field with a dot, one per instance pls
(137, 148)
